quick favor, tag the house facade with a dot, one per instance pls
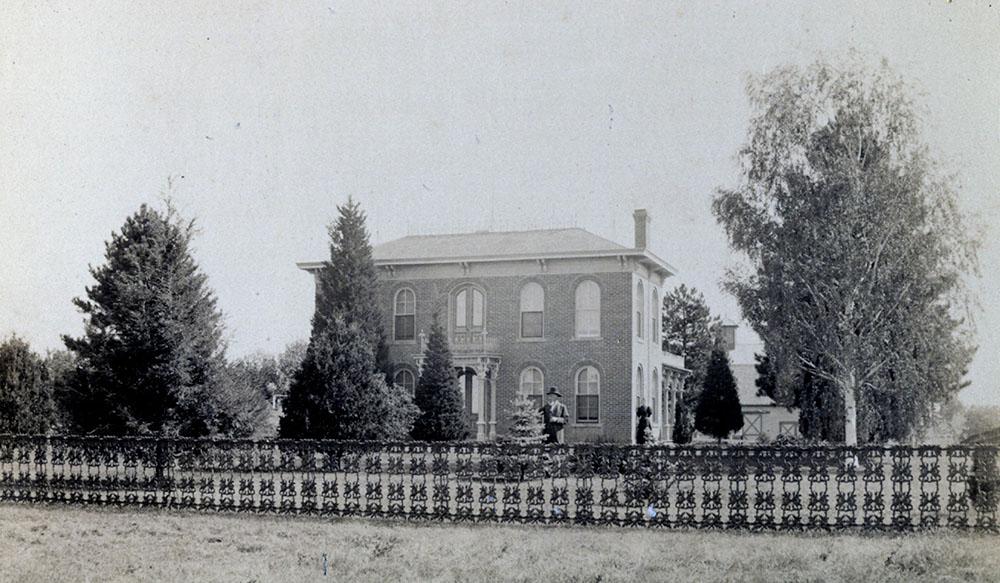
(528, 310)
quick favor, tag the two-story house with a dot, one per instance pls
(533, 309)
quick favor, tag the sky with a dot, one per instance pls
(259, 117)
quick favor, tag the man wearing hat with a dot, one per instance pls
(555, 416)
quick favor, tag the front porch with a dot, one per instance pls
(477, 363)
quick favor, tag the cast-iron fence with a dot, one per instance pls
(741, 487)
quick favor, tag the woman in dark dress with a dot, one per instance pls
(642, 429)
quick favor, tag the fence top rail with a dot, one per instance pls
(706, 450)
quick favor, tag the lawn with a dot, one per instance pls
(42, 544)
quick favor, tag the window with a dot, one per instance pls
(469, 309)
(640, 391)
(405, 379)
(404, 315)
(532, 310)
(654, 387)
(533, 384)
(788, 428)
(752, 425)
(640, 300)
(588, 395)
(654, 312)
(588, 310)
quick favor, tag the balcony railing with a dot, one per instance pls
(468, 343)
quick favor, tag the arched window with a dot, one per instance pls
(533, 384)
(588, 395)
(405, 308)
(654, 316)
(640, 390)
(532, 310)
(469, 309)
(588, 309)
(640, 300)
(405, 379)
(655, 390)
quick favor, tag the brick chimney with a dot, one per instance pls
(642, 231)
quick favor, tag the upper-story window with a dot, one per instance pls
(640, 300)
(405, 308)
(654, 312)
(588, 309)
(533, 384)
(469, 308)
(532, 310)
(588, 395)
(405, 379)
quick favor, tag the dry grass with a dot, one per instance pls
(41, 544)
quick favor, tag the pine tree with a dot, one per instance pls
(25, 393)
(718, 413)
(526, 421)
(340, 390)
(151, 354)
(689, 331)
(442, 416)
(347, 285)
(338, 394)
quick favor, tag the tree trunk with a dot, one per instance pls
(850, 413)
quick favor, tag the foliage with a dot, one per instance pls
(525, 421)
(151, 356)
(980, 419)
(689, 330)
(340, 390)
(683, 428)
(442, 415)
(718, 412)
(25, 390)
(820, 405)
(856, 247)
(245, 390)
(338, 394)
(347, 285)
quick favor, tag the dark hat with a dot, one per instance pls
(553, 391)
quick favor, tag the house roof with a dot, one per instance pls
(746, 384)
(503, 246)
(490, 244)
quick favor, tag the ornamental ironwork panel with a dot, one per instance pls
(705, 486)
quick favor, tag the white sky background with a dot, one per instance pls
(438, 118)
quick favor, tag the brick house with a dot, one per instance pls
(532, 309)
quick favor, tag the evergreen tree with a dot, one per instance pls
(347, 285)
(718, 413)
(151, 354)
(526, 421)
(442, 417)
(25, 392)
(338, 394)
(689, 331)
(340, 391)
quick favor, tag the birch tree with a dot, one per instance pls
(854, 244)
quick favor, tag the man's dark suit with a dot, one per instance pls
(555, 416)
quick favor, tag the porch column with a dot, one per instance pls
(478, 385)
